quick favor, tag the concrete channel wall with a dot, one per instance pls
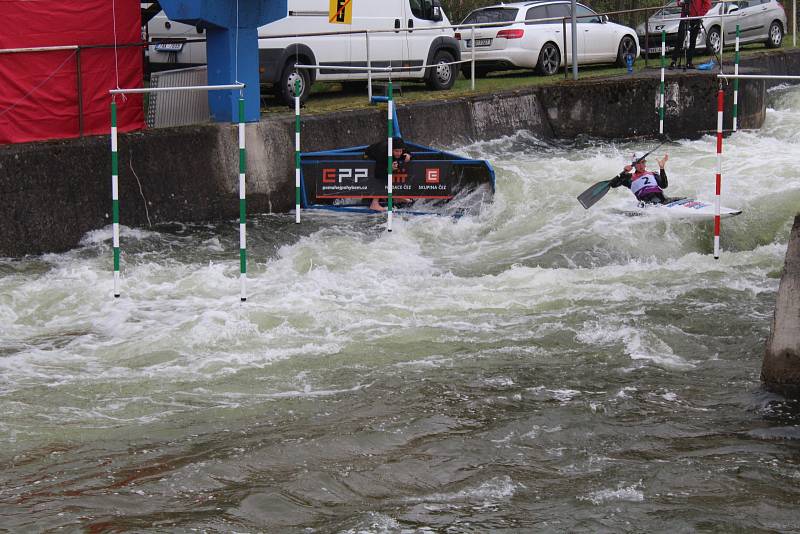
(780, 371)
(54, 192)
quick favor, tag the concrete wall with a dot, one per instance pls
(780, 370)
(53, 193)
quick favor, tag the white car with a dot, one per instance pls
(758, 22)
(540, 44)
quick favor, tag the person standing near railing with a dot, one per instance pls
(689, 8)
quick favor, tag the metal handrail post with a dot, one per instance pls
(564, 33)
(369, 65)
(472, 61)
(574, 26)
(80, 91)
(646, 36)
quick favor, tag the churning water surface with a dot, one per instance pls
(532, 367)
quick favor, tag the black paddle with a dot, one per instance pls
(590, 197)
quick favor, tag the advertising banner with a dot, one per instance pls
(357, 179)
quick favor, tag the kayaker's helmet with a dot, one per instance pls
(637, 156)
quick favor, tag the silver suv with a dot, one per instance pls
(758, 21)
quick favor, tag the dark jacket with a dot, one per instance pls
(380, 153)
(624, 178)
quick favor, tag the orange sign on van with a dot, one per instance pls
(341, 12)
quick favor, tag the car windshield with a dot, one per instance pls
(492, 14)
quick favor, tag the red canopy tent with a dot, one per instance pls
(64, 93)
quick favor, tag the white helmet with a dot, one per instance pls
(637, 156)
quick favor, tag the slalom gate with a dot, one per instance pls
(242, 171)
(346, 179)
(720, 107)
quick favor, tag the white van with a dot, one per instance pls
(433, 44)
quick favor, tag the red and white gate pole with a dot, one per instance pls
(717, 203)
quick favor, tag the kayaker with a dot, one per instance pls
(647, 186)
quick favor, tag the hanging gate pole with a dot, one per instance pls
(661, 87)
(717, 202)
(736, 82)
(115, 195)
(242, 206)
(297, 153)
(389, 179)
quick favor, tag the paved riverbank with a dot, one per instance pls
(781, 368)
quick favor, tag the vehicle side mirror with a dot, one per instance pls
(436, 11)
(733, 8)
(604, 19)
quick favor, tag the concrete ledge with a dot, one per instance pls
(55, 192)
(780, 370)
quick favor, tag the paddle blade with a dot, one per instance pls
(589, 197)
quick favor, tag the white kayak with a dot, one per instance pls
(681, 208)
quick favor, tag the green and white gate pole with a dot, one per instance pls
(297, 152)
(661, 87)
(115, 195)
(389, 178)
(242, 206)
(736, 82)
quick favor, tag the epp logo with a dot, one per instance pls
(332, 176)
(432, 176)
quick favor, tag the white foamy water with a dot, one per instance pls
(497, 371)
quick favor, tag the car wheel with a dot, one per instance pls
(443, 74)
(713, 40)
(775, 35)
(289, 77)
(626, 46)
(549, 60)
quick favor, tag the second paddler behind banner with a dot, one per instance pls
(648, 186)
(379, 152)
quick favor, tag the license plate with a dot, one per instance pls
(479, 42)
(169, 47)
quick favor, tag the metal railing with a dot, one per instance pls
(369, 69)
(573, 61)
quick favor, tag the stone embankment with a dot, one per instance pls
(55, 192)
(780, 371)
